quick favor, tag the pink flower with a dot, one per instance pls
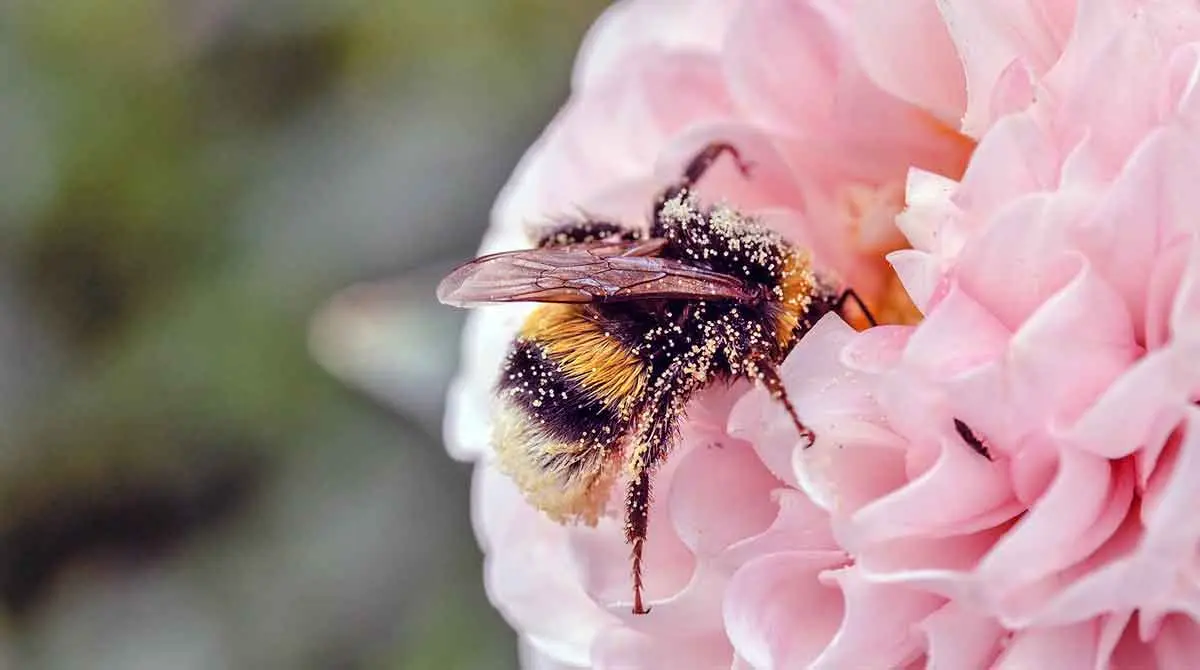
(1057, 281)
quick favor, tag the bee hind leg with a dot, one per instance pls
(637, 518)
(659, 431)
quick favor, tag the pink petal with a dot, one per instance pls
(602, 557)
(496, 504)
(1076, 344)
(1110, 580)
(778, 613)
(1178, 643)
(764, 36)
(1163, 284)
(1064, 648)
(1124, 254)
(1037, 261)
(1185, 312)
(643, 99)
(960, 638)
(876, 350)
(925, 72)
(1122, 61)
(672, 25)
(938, 565)
(622, 648)
(1081, 509)
(878, 628)
(1119, 646)
(961, 494)
(851, 464)
(1182, 95)
(1084, 333)
(1140, 409)
(1013, 90)
(1034, 466)
(770, 184)
(921, 275)
(720, 494)
(549, 607)
(991, 36)
(470, 401)
(829, 399)
(930, 218)
(799, 526)
(958, 335)
(532, 658)
(1016, 158)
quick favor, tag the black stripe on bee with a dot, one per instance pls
(563, 409)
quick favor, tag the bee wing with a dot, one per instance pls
(597, 272)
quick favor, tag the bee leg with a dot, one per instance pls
(769, 376)
(850, 294)
(658, 431)
(637, 521)
(696, 168)
(584, 230)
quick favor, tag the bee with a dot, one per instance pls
(636, 321)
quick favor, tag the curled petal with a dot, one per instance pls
(627, 27)
(1068, 647)
(1057, 364)
(925, 71)
(989, 37)
(778, 613)
(1016, 158)
(961, 494)
(958, 637)
(620, 648)
(1084, 505)
(721, 493)
(1178, 644)
(1140, 409)
(878, 626)
(768, 33)
(1038, 261)
(529, 538)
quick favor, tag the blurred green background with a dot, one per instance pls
(183, 185)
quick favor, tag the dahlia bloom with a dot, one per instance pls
(1009, 186)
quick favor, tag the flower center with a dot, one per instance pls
(869, 213)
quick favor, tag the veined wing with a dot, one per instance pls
(596, 272)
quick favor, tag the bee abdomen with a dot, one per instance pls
(560, 406)
(557, 439)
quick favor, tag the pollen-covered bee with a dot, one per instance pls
(597, 380)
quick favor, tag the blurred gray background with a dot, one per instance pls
(183, 185)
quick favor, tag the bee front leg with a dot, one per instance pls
(769, 377)
(695, 169)
(850, 294)
(582, 231)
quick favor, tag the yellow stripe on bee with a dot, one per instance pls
(796, 291)
(588, 355)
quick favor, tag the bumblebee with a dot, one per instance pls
(637, 320)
